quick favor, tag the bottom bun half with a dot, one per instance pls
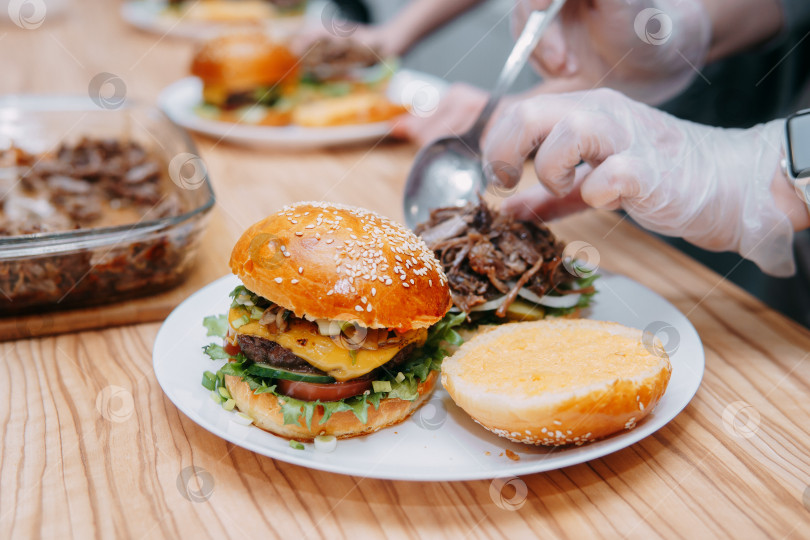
(266, 413)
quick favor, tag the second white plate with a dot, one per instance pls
(180, 99)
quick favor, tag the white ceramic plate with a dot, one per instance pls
(439, 442)
(179, 100)
(151, 16)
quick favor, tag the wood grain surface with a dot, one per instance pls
(91, 448)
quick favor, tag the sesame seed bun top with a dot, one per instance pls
(243, 61)
(329, 261)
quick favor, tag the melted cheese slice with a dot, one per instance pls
(323, 352)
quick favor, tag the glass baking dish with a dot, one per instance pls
(102, 265)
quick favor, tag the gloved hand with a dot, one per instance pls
(649, 50)
(710, 186)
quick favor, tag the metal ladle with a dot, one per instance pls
(448, 171)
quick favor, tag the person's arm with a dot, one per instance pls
(418, 19)
(738, 25)
(391, 38)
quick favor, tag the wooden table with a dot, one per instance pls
(67, 470)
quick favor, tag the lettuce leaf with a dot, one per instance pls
(216, 352)
(217, 325)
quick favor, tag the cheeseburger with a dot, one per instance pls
(334, 331)
(251, 79)
(244, 70)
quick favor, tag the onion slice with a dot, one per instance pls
(493, 304)
(564, 301)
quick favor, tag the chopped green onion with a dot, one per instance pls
(381, 386)
(209, 380)
(229, 405)
(242, 419)
(216, 397)
(400, 377)
(296, 445)
(325, 443)
(241, 321)
(224, 392)
(256, 313)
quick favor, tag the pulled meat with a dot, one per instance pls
(486, 255)
(328, 58)
(92, 183)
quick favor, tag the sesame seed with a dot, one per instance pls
(330, 240)
(293, 281)
(278, 280)
(364, 299)
(557, 422)
(373, 291)
(310, 226)
(358, 308)
(368, 308)
(299, 233)
(300, 269)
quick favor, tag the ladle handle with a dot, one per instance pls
(536, 26)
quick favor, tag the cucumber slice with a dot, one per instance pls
(524, 311)
(269, 372)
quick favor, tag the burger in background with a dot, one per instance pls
(251, 79)
(338, 327)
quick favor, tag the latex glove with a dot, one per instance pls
(433, 116)
(648, 49)
(710, 186)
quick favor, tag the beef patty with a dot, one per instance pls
(269, 352)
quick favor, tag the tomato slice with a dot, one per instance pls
(230, 348)
(325, 392)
